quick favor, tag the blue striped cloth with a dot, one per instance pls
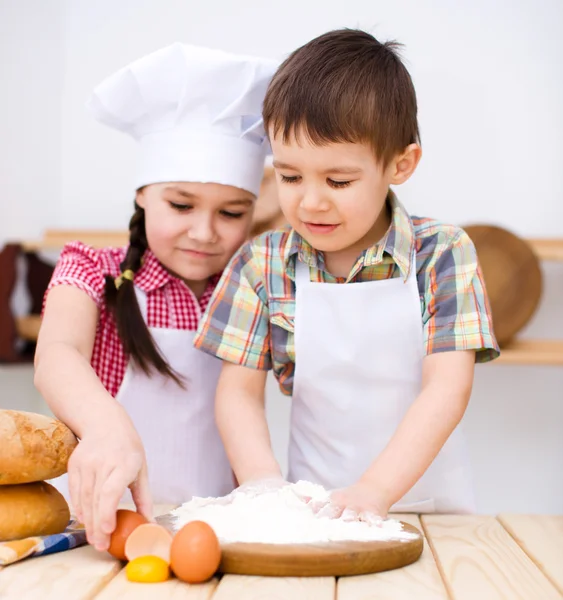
(14, 551)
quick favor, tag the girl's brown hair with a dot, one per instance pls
(135, 336)
(345, 86)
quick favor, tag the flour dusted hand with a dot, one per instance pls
(102, 467)
(358, 502)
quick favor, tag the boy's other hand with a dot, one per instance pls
(358, 502)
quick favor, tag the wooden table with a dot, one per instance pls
(512, 557)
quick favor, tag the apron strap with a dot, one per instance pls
(412, 272)
(302, 275)
(142, 300)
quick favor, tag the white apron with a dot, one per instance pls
(359, 351)
(185, 454)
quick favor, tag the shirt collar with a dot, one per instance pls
(398, 242)
(152, 275)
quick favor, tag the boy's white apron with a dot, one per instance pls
(359, 351)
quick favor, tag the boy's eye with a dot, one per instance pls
(286, 179)
(232, 215)
(338, 184)
(180, 207)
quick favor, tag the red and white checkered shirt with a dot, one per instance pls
(170, 302)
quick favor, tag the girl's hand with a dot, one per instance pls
(358, 502)
(100, 469)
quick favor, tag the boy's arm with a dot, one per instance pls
(241, 419)
(446, 387)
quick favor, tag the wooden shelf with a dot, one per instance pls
(532, 352)
(537, 352)
(548, 249)
(55, 239)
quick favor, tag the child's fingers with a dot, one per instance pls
(330, 511)
(141, 493)
(110, 494)
(371, 518)
(317, 505)
(87, 483)
(103, 482)
(350, 514)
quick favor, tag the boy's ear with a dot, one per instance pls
(404, 164)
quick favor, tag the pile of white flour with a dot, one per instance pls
(282, 517)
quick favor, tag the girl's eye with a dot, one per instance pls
(232, 215)
(180, 207)
(338, 184)
(293, 179)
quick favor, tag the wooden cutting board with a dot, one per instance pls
(512, 275)
(332, 559)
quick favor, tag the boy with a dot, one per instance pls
(372, 320)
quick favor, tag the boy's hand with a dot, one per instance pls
(358, 502)
(105, 463)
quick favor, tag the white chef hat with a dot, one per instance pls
(196, 112)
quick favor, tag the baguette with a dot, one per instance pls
(33, 447)
(31, 509)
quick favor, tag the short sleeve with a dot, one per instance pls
(235, 326)
(457, 314)
(84, 267)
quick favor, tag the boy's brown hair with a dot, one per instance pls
(345, 86)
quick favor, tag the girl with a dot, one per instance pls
(114, 357)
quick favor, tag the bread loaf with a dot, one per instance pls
(33, 447)
(31, 509)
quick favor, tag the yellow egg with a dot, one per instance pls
(147, 569)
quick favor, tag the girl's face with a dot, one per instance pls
(194, 229)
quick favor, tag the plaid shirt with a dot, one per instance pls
(170, 302)
(250, 319)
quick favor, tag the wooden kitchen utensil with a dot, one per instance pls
(330, 559)
(512, 275)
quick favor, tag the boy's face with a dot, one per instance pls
(333, 195)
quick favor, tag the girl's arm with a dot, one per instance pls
(110, 455)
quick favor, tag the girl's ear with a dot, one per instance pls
(140, 197)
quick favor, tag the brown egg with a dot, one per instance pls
(195, 553)
(126, 522)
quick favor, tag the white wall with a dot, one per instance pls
(488, 77)
(31, 75)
